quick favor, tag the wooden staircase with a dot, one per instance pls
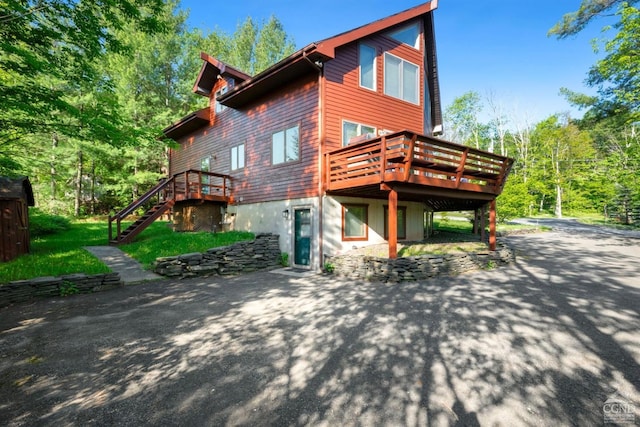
(187, 185)
(162, 204)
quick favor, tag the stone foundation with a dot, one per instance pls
(415, 268)
(42, 287)
(242, 257)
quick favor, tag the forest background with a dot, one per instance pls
(86, 88)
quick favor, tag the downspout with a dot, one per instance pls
(321, 136)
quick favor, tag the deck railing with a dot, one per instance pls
(188, 185)
(416, 159)
(195, 184)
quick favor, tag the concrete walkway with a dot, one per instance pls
(130, 270)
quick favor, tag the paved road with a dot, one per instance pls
(545, 341)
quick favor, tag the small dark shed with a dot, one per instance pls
(16, 195)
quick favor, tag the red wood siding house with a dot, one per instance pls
(331, 147)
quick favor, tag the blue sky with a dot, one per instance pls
(498, 46)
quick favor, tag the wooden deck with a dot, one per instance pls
(445, 175)
(188, 185)
(199, 185)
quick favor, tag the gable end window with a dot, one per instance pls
(409, 35)
(355, 222)
(285, 146)
(219, 107)
(401, 79)
(237, 157)
(367, 57)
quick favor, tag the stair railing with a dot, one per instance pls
(158, 190)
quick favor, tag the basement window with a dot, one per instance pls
(354, 222)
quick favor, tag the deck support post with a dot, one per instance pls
(483, 222)
(492, 225)
(393, 220)
(393, 224)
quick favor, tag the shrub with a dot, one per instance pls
(43, 224)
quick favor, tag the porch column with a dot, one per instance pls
(393, 223)
(492, 225)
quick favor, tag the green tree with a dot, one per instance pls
(44, 46)
(617, 75)
(564, 156)
(574, 22)
(462, 123)
(272, 45)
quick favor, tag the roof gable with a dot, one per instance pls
(211, 70)
(328, 46)
(310, 58)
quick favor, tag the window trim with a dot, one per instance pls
(375, 67)
(401, 82)
(386, 222)
(244, 161)
(345, 207)
(284, 130)
(344, 121)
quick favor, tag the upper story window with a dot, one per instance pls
(286, 145)
(401, 79)
(220, 92)
(367, 56)
(408, 35)
(351, 130)
(237, 157)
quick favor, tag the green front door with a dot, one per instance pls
(302, 243)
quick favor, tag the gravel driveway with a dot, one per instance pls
(545, 341)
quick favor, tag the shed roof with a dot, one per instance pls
(16, 188)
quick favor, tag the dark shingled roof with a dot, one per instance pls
(16, 188)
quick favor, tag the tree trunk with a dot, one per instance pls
(78, 198)
(558, 210)
(54, 145)
(93, 188)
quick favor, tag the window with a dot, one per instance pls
(367, 67)
(402, 222)
(354, 222)
(220, 92)
(401, 79)
(408, 35)
(286, 145)
(237, 157)
(351, 130)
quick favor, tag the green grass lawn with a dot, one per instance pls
(62, 253)
(59, 254)
(159, 241)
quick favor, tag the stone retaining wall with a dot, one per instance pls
(415, 268)
(27, 290)
(241, 257)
